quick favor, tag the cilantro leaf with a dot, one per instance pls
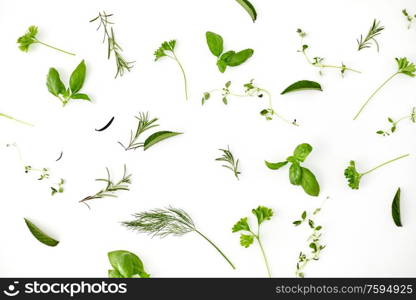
(262, 214)
(246, 240)
(241, 225)
(353, 176)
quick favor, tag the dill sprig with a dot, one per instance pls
(374, 31)
(111, 188)
(112, 45)
(164, 222)
(228, 157)
(143, 125)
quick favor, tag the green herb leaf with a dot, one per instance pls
(215, 43)
(405, 67)
(54, 83)
(239, 57)
(297, 223)
(352, 176)
(302, 151)
(275, 166)
(241, 225)
(302, 85)
(262, 214)
(40, 235)
(114, 274)
(295, 174)
(309, 183)
(28, 38)
(157, 137)
(395, 209)
(222, 65)
(246, 240)
(225, 57)
(77, 78)
(127, 264)
(249, 8)
(80, 96)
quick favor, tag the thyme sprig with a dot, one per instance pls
(409, 17)
(111, 187)
(228, 158)
(43, 172)
(394, 123)
(59, 188)
(169, 221)
(374, 31)
(319, 61)
(112, 45)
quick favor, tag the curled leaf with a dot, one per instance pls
(157, 137)
(395, 209)
(40, 235)
(249, 8)
(302, 85)
(275, 166)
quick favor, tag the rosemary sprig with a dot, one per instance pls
(112, 45)
(111, 188)
(165, 222)
(228, 157)
(143, 125)
(374, 31)
(393, 128)
(319, 61)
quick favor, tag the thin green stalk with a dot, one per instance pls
(383, 164)
(373, 94)
(264, 256)
(19, 121)
(52, 47)
(319, 65)
(215, 246)
(183, 74)
(271, 107)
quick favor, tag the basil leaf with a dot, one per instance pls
(239, 57)
(302, 151)
(114, 274)
(309, 183)
(76, 81)
(395, 209)
(215, 43)
(302, 85)
(249, 8)
(39, 235)
(295, 174)
(125, 263)
(80, 96)
(275, 166)
(222, 66)
(157, 137)
(54, 83)
(225, 57)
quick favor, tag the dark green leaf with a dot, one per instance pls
(81, 96)
(295, 174)
(302, 151)
(54, 83)
(309, 183)
(304, 215)
(78, 77)
(275, 166)
(302, 85)
(297, 223)
(239, 57)
(40, 236)
(249, 8)
(395, 209)
(157, 137)
(215, 43)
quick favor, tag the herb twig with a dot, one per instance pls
(319, 61)
(112, 45)
(409, 17)
(393, 128)
(17, 120)
(374, 31)
(144, 124)
(233, 164)
(111, 188)
(165, 222)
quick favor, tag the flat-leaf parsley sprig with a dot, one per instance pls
(354, 177)
(248, 235)
(231, 163)
(169, 221)
(319, 61)
(29, 38)
(404, 66)
(393, 128)
(250, 90)
(167, 49)
(373, 32)
(112, 45)
(111, 187)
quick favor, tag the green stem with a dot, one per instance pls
(215, 246)
(269, 96)
(11, 118)
(383, 164)
(52, 47)
(318, 65)
(183, 74)
(373, 94)
(264, 256)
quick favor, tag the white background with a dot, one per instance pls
(360, 235)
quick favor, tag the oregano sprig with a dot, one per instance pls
(319, 61)
(373, 32)
(167, 49)
(29, 38)
(231, 163)
(248, 235)
(404, 66)
(394, 123)
(165, 222)
(354, 177)
(409, 17)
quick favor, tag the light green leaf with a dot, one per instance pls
(395, 209)
(241, 225)
(114, 274)
(295, 174)
(54, 83)
(302, 151)
(275, 166)
(222, 66)
(246, 240)
(262, 214)
(215, 43)
(249, 8)
(302, 85)
(239, 57)
(80, 96)
(77, 78)
(309, 183)
(40, 235)
(157, 137)
(127, 264)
